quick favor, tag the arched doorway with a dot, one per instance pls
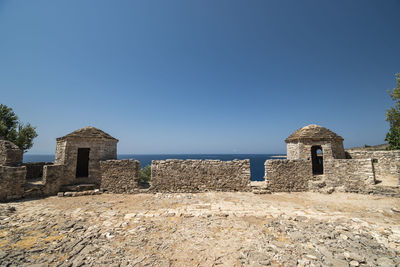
(317, 160)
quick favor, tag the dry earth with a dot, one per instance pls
(204, 229)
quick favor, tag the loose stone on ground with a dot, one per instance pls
(205, 229)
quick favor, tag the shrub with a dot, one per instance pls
(13, 130)
(393, 117)
(145, 174)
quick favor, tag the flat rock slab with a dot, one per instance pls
(204, 229)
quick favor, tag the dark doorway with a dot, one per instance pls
(317, 160)
(82, 164)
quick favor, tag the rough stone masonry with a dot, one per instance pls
(316, 159)
(288, 175)
(200, 175)
(120, 176)
(86, 157)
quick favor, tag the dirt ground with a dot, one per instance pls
(389, 180)
(204, 229)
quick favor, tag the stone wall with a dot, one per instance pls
(120, 176)
(386, 163)
(12, 180)
(51, 178)
(349, 174)
(35, 169)
(49, 184)
(200, 175)
(293, 150)
(288, 175)
(10, 154)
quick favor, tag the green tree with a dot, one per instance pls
(13, 130)
(145, 174)
(393, 117)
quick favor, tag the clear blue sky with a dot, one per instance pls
(209, 76)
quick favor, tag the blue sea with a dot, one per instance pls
(256, 160)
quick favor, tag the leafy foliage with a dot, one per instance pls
(393, 117)
(145, 174)
(393, 138)
(11, 129)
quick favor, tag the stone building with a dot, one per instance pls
(81, 152)
(316, 160)
(77, 162)
(315, 143)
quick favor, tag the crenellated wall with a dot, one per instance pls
(35, 169)
(288, 175)
(86, 158)
(120, 176)
(48, 185)
(200, 175)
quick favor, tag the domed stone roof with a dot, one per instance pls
(88, 132)
(313, 132)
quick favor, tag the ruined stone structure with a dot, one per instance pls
(304, 144)
(12, 180)
(86, 159)
(316, 159)
(81, 152)
(34, 170)
(386, 164)
(78, 157)
(349, 175)
(199, 175)
(120, 176)
(288, 175)
(12, 174)
(10, 154)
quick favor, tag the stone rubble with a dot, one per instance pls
(204, 229)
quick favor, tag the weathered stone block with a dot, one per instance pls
(352, 174)
(10, 154)
(12, 180)
(200, 175)
(386, 163)
(52, 178)
(288, 175)
(120, 176)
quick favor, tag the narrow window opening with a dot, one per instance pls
(82, 164)
(317, 160)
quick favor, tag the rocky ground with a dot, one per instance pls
(205, 229)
